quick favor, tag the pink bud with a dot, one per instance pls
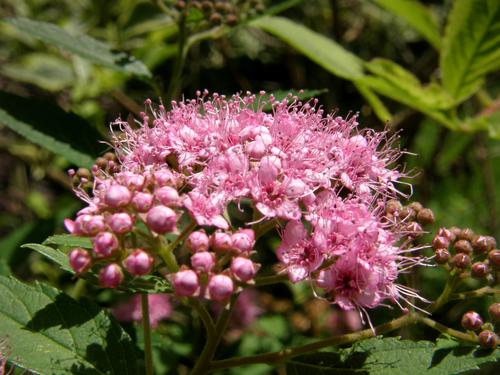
(203, 261)
(135, 181)
(186, 283)
(121, 223)
(80, 260)
(168, 196)
(197, 241)
(220, 287)
(89, 225)
(139, 263)
(161, 219)
(105, 244)
(110, 276)
(256, 149)
(117, 196)
(142, 202)
(243, 269)
(163, 177)
(243, 240)
(221, 241)
(295, 188)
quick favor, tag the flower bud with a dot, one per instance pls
(168, 196)
(440, 242)
(492, 243)
(197, 241)
(220, 287)
(138, 263)
(89, 225)
(446, 233)
(161, 219)
(494, 311)
(121, 223)
(142, 202)
(463, 246)
(392, 206)
(425, 216)
(221, 241)
(414, 229)
(80, 260)
(256, 149)
(488, 339)
(472, 321)
(407, 214)
(243, 240)
(295, 188)
(163, 177)
(416, 206)
(466, 234)
(442, 256)
(135, 181)
(243, 269)
(494, 257)
(203, 261)
(105, 244)
(479, 270)
(110, 276)
(186, 283)
(117, 196)
(461, 261)
(480, 244)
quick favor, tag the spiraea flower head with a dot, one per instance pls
(324, 182)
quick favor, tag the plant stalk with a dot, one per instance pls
(148, 351)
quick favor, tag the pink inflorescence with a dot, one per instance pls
(317, 176)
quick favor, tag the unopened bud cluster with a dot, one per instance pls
(464, 250)
(472, 321)
(219, 263)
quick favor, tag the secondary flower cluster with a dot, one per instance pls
(319, 177)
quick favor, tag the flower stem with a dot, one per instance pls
(148, 358)
(273, 279)
(282, 355)
(444, 329)
(486, 290)
(202, 366)
(204, 316)
(446, 293)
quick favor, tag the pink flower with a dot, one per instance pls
(131, 310)
(206, 211)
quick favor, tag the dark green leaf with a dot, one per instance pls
(54, 255)
(374, 101)
(62, 133)
(68, 240)
(320, 49)
(471, 46)
(489, 122)
(81, 45)
(50, 333)
(417, 16)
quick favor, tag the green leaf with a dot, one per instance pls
(391, 356)
(374, 101)
(68, 240)
(471, 46)
(82, 45)
(57, 256)
(489, 122)
(319, 48)
(50, 333)
(63, 133)
(417, 16)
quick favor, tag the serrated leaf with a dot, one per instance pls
(417, 16)
(49, 333)
(82, 45)
(68, 240)
(319, 48)
(391, 356)
(471, 46)
(57, 256)
(63, 133)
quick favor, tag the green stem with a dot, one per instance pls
(78, 289)
(166, 250)
(474, 293)
(148, 358)
(205, 317)
(446, 293)
(273, 279)
(202, 366)
(168, 258)
(282, 355)
(444, 329)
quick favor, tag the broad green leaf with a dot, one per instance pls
(51, 73)
(391, 356)
(68, 240)
(82, 45)
(49, 333)
(489, 122)
(471, 46)
(57, 256)
(62, 133)
(417, 16)
(319, 48)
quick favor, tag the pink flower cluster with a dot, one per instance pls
(319, 177)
